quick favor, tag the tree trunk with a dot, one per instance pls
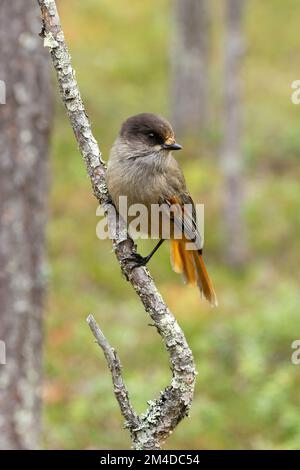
(24, 131)
(189, 80)
(232, 154)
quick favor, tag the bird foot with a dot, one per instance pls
(136, 261)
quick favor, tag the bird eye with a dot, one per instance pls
(151, 135)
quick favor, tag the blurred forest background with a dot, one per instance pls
(247, 392)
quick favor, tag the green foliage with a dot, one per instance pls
(247, 388)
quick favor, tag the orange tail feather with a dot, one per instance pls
(191, 264)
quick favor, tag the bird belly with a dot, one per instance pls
(137, 199)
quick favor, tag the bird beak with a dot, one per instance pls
(171, 146)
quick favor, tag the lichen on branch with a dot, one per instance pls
(149, 430)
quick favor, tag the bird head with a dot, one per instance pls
(149, 134)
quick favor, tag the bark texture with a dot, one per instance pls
(232, 153)
(189, 58)
(150, 430)
(24, 131)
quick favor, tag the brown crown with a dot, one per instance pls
(145, 123)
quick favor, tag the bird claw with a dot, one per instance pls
(136, 261)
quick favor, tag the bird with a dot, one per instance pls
(142, 168)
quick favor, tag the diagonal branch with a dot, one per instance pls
(173, 405)
(114, 364)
